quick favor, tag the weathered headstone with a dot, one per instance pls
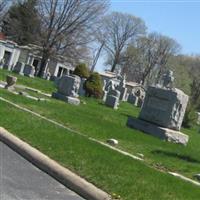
(81, 89)
(10, 80)
(133, 99)
(112, 99)
(122, 88)
(29, 70)
(68, 87)
(19, 68)
(2, 62)
(164, 107)
(140, 102)
(162, 113)
(105, 93)
(106, 88)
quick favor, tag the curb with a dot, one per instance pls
(63, 175)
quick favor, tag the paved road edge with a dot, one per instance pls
(63, 175)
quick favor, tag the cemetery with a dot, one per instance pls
(99, 102)
(88, 117)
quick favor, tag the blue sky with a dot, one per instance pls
(177, 19)
(174, 18)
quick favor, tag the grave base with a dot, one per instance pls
(160, 132)
(71, 100)
(29, 75)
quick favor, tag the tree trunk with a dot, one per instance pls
(97, 57)
(44, 61)
(113, 66)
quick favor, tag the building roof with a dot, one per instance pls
(108, 74)
(132, 84)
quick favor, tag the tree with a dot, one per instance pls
(97, 55)
(22, 24)
(118, 30)
(67, 24)
(148, 57)
(82, 70)
(93, 86)
(2, 6)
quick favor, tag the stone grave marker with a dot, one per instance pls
(68, 87)
(29, 70)
(112, 99)
(162, 113)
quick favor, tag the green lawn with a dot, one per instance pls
(98, 121)
(104, 167)
(38, 83)
(109, 170)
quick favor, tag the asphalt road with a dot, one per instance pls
(20, 180)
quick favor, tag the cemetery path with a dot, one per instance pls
(19, 179)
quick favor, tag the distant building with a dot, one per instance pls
(11, 53)
(107, 76)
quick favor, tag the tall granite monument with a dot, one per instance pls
(163, 111)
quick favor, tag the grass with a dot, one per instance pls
(104, 167)
(109, 170)
(98, 121)
(38, 83)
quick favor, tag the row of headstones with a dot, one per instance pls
(114, 94)
(22, 69)
(111, 96)
(69, 87)
(26, 70)
(112, 99)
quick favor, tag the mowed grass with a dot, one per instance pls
(100, 122)
(38, 83)
(104, 167)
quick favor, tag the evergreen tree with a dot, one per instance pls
(22, 24)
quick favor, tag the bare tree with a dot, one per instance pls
(96, 56)
(3, 6)
(118, 30)
(149, 56)
(66, 24)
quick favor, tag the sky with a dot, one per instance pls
(178, 19)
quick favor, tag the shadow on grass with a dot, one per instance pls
(175, 155)
(126, 115)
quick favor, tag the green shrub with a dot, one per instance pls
(93, 86)
(190, 117)
(82, 70)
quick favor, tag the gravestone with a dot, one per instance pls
(164, 107)
(81, 88)
(19, 68)
(140, 101)
(112, 99)
(68, 87)
(122, 88)
(10, 80)
(106, 88)
(2, 62)
(133, 99)
(162, 113)
(105, 93)
(29, 70)
(48, 76)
